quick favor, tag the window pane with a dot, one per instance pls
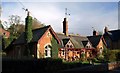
(46, 53)
(63, 52)
(70, 46)
(67, 46)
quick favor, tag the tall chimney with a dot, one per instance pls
(95, 33)
(106, 29)
(65, 26)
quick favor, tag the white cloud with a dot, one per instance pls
(47, 13)
(83, 22)
(83, 17)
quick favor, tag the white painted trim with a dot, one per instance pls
(48, 50)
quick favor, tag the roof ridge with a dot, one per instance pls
(95, 36)
(42, 28)
(114, 30)
(59, 33)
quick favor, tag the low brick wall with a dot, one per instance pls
(113, 65)
(108, 66)
(104, 67)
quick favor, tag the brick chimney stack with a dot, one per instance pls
(65, 26)
(106, 29)
(95, 33)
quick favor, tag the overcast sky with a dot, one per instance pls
(83, 15)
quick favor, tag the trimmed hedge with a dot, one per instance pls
(38, 65)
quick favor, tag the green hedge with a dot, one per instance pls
(113, 55)
(108, 56)
(38, 66)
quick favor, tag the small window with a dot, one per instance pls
(48, 34)
(67, 46)
(70, 46)
(4, 33)
(101, 50)
(78, 52)
(46, 53)
(63, 52)
(46, 47)
(87, 46)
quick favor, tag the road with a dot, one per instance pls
(89, 69)
(115, 70)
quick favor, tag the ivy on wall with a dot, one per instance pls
(28, 33)
(55, 47)
(28, 29)
(5, 42)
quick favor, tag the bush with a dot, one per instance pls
(95, 60)
(118, 56)
(113, 55)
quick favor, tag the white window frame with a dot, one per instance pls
(48, 50)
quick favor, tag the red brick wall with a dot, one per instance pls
(45, 39)
(2, 32)
(100, 45)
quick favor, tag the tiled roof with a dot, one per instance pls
(75, 39)
(37, 34)
(114, 35)
(77, 43)
(79, 39)
(61, 36)
(94, 40)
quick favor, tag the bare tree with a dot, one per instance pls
(16, 25)
(14, 19)
(37, 24)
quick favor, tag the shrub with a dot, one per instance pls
(118, 56)
(95, 60)
(113, 55)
